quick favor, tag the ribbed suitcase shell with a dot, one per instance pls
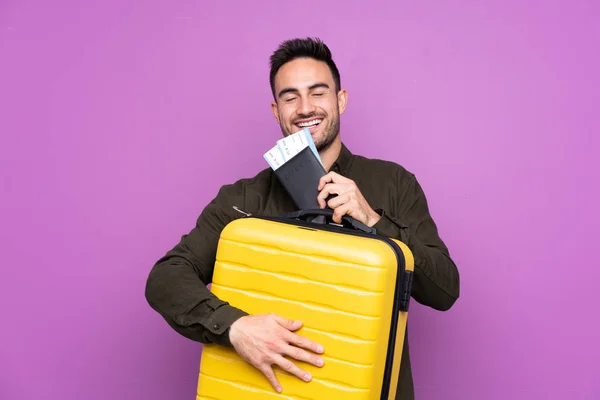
(342, 286)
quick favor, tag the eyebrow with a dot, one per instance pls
(294, 90)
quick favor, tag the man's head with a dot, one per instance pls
(307, 91)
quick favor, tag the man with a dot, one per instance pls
(307, 93)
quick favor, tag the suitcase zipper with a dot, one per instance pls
(401, 292)
(236, 208)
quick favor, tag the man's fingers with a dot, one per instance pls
(304, 342)
(339, 212)
(338, 200)
(322, 196)
(303, 355)
(326, 179)
(330, 188)
(288, 324)
(292, 368)
(332, 177)
(270, 375)
(266, 340)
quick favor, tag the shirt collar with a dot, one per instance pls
(343, 162)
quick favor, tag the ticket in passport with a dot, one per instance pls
(311, 143)
(287, 147)
(295, 143)
(274, 157)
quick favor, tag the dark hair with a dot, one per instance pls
(298, 48)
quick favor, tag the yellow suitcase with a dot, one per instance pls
(350, 288)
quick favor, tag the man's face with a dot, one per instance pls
(306, 97)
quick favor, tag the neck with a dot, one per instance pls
(331, 153)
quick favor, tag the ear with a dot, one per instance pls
(342, 100)
(275, 111)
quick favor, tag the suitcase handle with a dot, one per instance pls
(347, 220)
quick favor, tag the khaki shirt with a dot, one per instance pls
(176, 286)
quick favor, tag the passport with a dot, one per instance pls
(300, 176)
(298, 167)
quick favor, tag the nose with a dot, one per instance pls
(305, 106)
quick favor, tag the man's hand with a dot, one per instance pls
(349, 199)
(264, 340)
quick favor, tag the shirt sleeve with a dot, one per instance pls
(436, 277)
(177, 284)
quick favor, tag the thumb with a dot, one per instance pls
(288, 324)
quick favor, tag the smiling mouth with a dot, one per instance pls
(310, 123)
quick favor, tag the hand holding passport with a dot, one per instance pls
(298, 166)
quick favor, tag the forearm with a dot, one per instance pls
(436, 280)
(181, 297)
(177, 284)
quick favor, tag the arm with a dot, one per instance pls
(176, 286)
(176, 289)
(436, 281)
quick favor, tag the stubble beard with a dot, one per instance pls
(329, 135)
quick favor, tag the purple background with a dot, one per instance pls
(119, 121)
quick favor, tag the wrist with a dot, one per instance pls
(220, 323)
(233, 328)
(372, 218)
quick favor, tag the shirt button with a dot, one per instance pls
(216, 326)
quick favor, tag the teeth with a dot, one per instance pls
(310, 123)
